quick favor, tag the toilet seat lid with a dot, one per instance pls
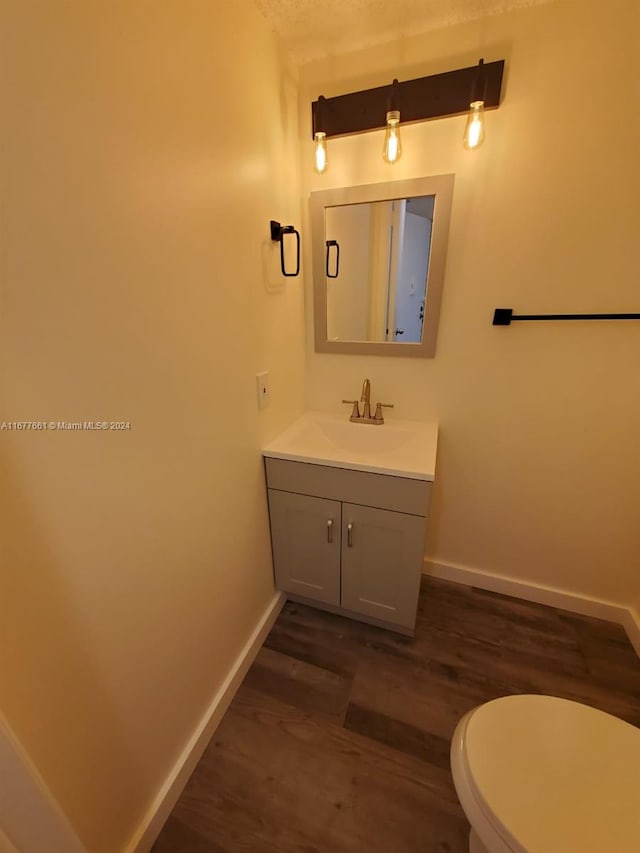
(555, 775)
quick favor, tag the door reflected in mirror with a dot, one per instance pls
(379, 255)
(377, 274)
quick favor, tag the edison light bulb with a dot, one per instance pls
(474, 131)
(392, 148)
(320, 159)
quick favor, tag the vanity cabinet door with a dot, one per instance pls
(305, 537)
(382, 556)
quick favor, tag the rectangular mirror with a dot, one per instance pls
(378, 266)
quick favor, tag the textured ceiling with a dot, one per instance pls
(312, 29)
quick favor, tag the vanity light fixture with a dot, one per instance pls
(474, 130)
(320, 158)
(392, 147)
(465, 91)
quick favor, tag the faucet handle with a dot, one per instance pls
(355, 412)
(378, 415)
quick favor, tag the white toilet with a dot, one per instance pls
(538, 774)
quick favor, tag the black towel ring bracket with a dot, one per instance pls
(277, 235)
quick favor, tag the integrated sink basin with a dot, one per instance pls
(399, 448)
(342, 435)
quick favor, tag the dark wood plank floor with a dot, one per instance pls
(338, 739)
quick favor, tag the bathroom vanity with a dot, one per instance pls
(348, 506)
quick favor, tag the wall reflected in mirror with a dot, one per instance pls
(377, 269)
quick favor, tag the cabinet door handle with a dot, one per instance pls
(350, 534)
(330, 531)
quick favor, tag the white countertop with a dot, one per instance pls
(400, 448)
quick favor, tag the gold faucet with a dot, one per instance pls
(365, 398)
(365, 417)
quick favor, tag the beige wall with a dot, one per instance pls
(538, 465)
(348, 294)
(144, 147)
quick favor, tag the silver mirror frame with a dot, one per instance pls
(440, 186)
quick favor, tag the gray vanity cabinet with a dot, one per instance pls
(382, 557)
(349, 541)
(305, 536)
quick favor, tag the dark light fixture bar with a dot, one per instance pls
(505, 316)
(425, 98)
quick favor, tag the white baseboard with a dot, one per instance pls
(585, 605)
(632, 627)
(163, 804)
